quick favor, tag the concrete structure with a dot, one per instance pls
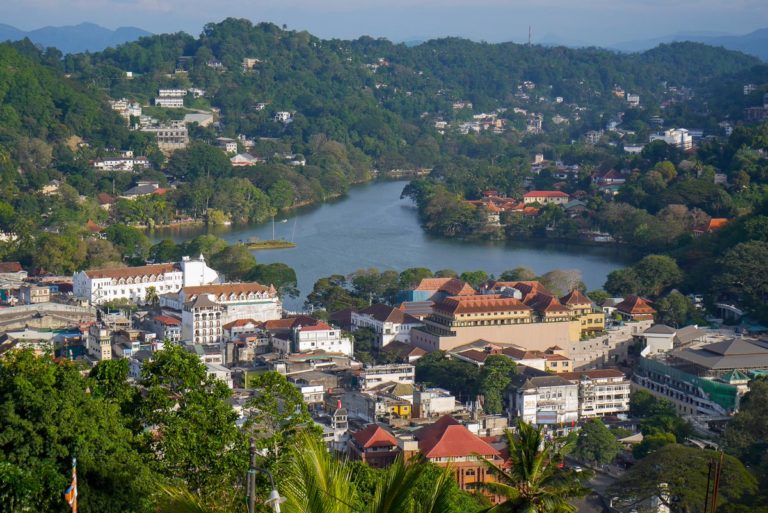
(460, 320)
(169, 102)
(98, 342)
(601, 392)
(635, 308)
(661, 338)
(207, 308)
(319, 336)
(171, 136)
(34, 295)
(543, 399)
(678, 137)
(390, 324)
(546, 197)
(374, 375)
(218, 371)
(98, 286)
(433, 402)
(373, 445)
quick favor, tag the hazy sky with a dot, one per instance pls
(572, 21)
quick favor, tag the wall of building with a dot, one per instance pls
(538, 336)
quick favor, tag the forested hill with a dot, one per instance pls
(373, 93)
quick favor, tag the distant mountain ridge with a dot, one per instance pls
(755, 43)
(85, 37)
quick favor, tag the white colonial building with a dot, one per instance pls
(389, 323)
(98, 286)
(543, 399)
(207, 308)
(320, 336)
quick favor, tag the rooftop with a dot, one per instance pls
(374, 436)
(476, 304)
(131, 272)
(447, 438)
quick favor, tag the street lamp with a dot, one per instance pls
(274, 499)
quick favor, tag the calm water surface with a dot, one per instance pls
(373, 227)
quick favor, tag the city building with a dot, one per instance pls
(227, 145)
(373, 375)
(546, 197)
(390, 324)
(167, 102)
(314, 337)
(98, 286)
(460, 320)
(165, 327)
(447, 443)
(373, 445)
(171, 136)
(34, 295)
(98, 342)
(678, 137)
(601, 392)
(432, 402)
(207, 308)
(543, 399)
(635, 308)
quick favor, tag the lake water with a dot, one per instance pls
(373, 227)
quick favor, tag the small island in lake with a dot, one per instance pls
(270, 244)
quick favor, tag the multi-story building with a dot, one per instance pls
(635, 308)
(447, 443)
(601, 392)
(591, 317)
(546, 197)
(98, 342)
(34, 295)
(461, 320)
(374, 375)
(99, 286)
(169, 102)
(319, 336)
(390, 324)
(166, 327)
(543, 399)
(172, 93)
(704, 379)
(207, 308)
(373, 445)
(433, 402)
(678, 137)
(171, 136)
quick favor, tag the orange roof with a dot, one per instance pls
(716, 223)
(542, 302)
(126, 272)
(447, 438)
(635, 305)
(523, 354)
(474, 304)
(457, 287)
(432, 284)
(290, 323)
(374, 436)
(226, 288)
(240, 323)
(546, 194)
(320, 326)
(575, 298)
(526, 288)
(10, 267)
(164, 319)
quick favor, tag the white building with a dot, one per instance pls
(218, 371)
(374, 375)
(172, 93)
(98, 342)
(543, 399)
(170, 136)
(320, 336)
(227, 145)
(169, 102)
(633, 100)
(433, 402)
(601, 392)
(120, 163)
(678, 137)
(390, 324)
(282, 116)
(99, 286)
(207, 308)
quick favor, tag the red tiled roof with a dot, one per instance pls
(474, 304)
(385, 313)
(635, 305)
(320, 326)
(592, 374)
(240, 323)
(105, 199)
(290, 323)
(164, 319)
(432, 284)
(10, 267)
(716, 223)
(457, 287)
(374, 436)
(125, 272)
(575, 298)
(543, 302)
(447, 438)
(546, 194)
(475, 355)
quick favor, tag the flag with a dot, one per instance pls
(70, 494)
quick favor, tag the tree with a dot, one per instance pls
(412, 276)
(278, 274)
(165, 251)
(746, 436)
(199, 160)
(100, 253)
(533, 482)
(235, 262)
(677, 475)
(562, 281)
(674, 309)
(49, 416)
(742, 274)
(194, 438)
(131, 242)
(474, 278)
(277, 414)
(59, 254)
(657, 273)
(596, 443)
(518, 274)
(461, 378)
(495, 377)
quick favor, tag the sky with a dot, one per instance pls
(598, 22)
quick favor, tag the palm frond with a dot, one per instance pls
(175, 499)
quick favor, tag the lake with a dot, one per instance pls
(372, 227)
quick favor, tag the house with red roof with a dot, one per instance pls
(546, 197)
(635, 308)
(447, 443)
(317, 336)
(389, 323)
(373, 445)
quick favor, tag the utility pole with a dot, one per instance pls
(530, 36)
(251, 485)
(716, 487)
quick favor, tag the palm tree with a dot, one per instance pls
(151, 298)
(317, 482)
(533, 481)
